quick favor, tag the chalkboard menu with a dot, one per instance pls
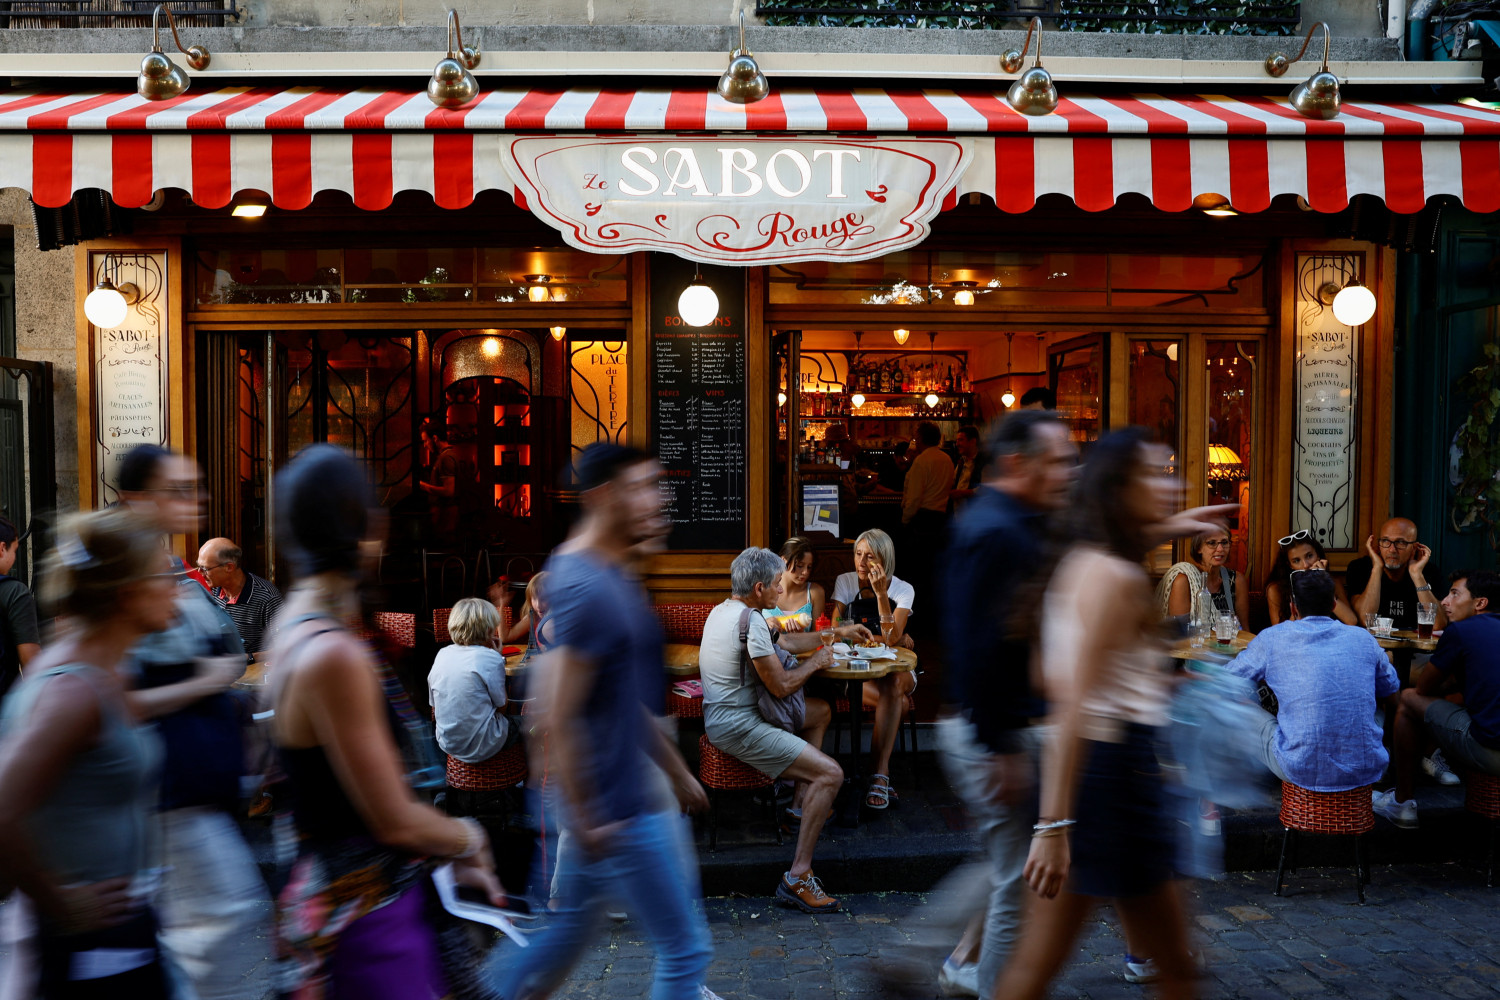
(698, 413)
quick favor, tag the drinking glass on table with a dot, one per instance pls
(887, 629)
(827, 634)
(1426, 618)
(1372, 620)
(1225, 629)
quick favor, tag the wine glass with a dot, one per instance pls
(887, 630)
(827, 635)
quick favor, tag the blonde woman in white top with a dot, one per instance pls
(1104, 830)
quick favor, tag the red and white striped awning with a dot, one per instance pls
(293, 142)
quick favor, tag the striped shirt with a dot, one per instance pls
(253, 611)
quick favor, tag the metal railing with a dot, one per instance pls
(1220, 17)
(112, 13)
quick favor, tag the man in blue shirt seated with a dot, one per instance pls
(1328, 678)
(1467, 663)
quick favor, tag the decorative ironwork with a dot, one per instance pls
(113, 13)
(1221, 17)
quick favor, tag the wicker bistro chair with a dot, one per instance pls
(1348, 813)
(1482, 798)
(479, 790)
(679, 707)
(721, 773)
(683, 622)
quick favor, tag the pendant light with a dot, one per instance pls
(698, 305)
(1033, 93)
(901, 335)
(452, 85)
(931, 399)
(1318, 96)
(1354, 304)
(160, 78)
(743, 82)
(559, 332)
(1007, 398)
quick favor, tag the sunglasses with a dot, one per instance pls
(1300, 536)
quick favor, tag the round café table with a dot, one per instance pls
(1406, 640)
(1183, 649)
(854, 679)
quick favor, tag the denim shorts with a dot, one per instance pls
(1125, 843)
(1453, 729)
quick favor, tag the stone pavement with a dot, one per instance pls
(1426, 931)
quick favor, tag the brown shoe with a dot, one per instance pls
(805, 893)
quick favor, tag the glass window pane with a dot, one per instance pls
(1232, 385)
(304, 277)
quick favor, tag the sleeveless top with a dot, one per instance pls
(1132, 688)
(94, 823)
(778, 617)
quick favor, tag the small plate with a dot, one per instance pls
(870, 652)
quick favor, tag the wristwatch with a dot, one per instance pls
(1426, 586)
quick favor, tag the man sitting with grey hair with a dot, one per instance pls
(741, 652)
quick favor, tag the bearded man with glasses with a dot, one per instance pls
(1400, 585)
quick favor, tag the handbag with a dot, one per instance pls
(789, 713)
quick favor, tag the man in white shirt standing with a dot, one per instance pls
(924, 504)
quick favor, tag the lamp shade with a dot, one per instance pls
(105, 307)
(1007, 399)
(901, 335)
(1224, 463)
(698, 305)
(1354, 304)
(857, 400)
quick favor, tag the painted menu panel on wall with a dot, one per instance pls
(1326, 382)
(698, 413)
(130, 369)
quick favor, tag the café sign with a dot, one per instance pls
(737, 199)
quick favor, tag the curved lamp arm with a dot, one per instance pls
(197, 56)
(1012, 61)
(469, 56)
(1278, 64)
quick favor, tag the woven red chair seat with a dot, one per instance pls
(724, 773)
(679, 707)
(504, 770)
(440, 625)
(1327, 812)
(1482, 794)
(400, 627)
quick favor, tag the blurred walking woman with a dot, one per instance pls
(357, 917)
(1104, 830)
(78, 774)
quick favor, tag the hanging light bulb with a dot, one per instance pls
(1354, 304)
(559, 332)
(490, 347)
(452, 85)
(781, 399)
(698, 305)
(931, 399)
(857, 400)
(538, 290)
(964, 293)
(1007, 399)
(901, 335)
(105, 307)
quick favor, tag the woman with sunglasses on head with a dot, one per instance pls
(1301, 551)
(1203, 586)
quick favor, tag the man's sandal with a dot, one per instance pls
(879, 796)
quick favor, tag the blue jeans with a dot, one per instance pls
(653, 873)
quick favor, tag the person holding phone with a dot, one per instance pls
(1295, 553)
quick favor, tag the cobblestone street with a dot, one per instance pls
(1425, 932)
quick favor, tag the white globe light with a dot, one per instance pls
(781, 399)
(930, 399)
(698, 305)
(1354, 305)
(1007, 399)
(858, 400)
(105, 306)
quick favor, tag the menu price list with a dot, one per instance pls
(700, 435)
(699, 415)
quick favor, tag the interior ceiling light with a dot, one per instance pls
(452, 85)
(963, 294)
(490, 347)
(901, 335)
(1007, 399)
(781, 399)
(743, 82)
(538, 290)
(698, 305)
(1033, 93)
(559, 332)
(160, 78)
(1318, 96)
(931, 399)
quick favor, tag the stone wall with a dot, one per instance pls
(45, 320)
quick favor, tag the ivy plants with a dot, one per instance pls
(1159, 17)
(1476, 498)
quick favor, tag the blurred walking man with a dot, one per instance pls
(606, 667)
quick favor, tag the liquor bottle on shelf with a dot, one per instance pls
(904, 371)
(948, 380)
(885, 378)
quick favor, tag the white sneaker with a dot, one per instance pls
(1438, 770)
(708, 994)
(1403, 814)
(1140, 970)
(959, 980)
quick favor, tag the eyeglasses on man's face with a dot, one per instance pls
(1394, 543)
(205, 570)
